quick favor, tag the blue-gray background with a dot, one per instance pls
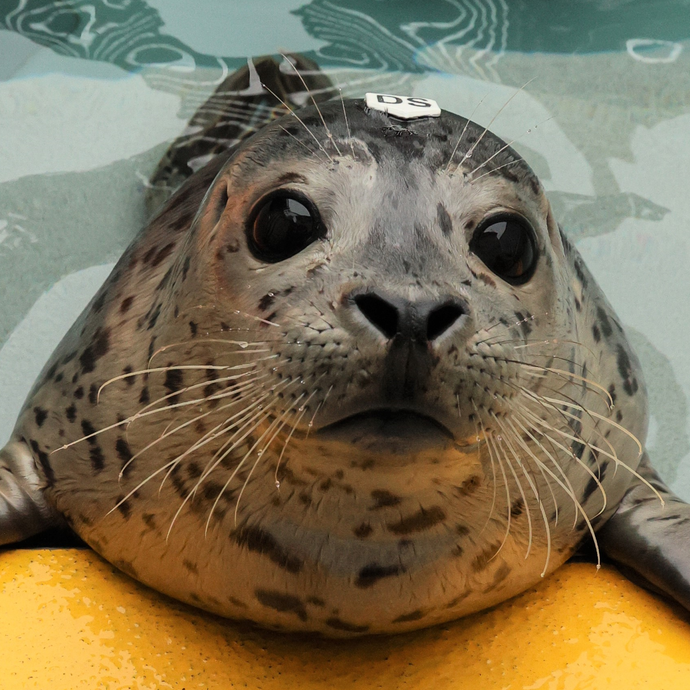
(91, 91)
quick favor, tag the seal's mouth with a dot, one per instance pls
(390, 430)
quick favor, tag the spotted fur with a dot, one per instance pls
(189, 426)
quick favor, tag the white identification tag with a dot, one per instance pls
(404, 107)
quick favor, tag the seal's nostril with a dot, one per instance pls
(441, 319)
(379, 312)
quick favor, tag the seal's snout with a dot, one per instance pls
(399, 319)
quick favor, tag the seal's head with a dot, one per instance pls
(386, 266)
(361, 389)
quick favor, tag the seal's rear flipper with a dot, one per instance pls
(23, 509)
(651, 540)
(244, 102)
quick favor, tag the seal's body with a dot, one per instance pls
(352, 378)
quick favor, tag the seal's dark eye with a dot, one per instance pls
(506, 244)
(281, 225)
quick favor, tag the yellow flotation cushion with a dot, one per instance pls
(70, 620)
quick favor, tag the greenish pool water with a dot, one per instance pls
(92, 92)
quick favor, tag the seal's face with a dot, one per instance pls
(368, 389)
(388, 279)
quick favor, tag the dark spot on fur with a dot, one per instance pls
(129, 380)
(166, 279)
(481, 561)
(370, 574)
(233, 246)
(71, 413)
(412, 616)
(524, 322)
(126, 304)
(469, 486)
(144, 396)
(185, 268)
(612, 393)
(96, 457)
(285, 603)
(193, 470)
(500, 575)
(338, 624)
(596, 333)
(99, 347)
(68, 358)
(123, 452)
(79, 393)
(125, 509)
(383, 499)
(173, 381)
(40, 415)
(260, 541)
(44, 462)
(93, 393)
(149, 255)
(266, 301)
(149, 520)
(192, 328)
(578, 304)
(517, 508)
(191, 567)
(88, 429)
(630, 385)
(424, 519)
(316, 601)
(363, 531)
(154, 317)
(126, 567)
(444, 220)
(604, 323)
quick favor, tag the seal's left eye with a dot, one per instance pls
(506, 244)
(282, 225)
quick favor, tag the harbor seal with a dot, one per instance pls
(352, 378)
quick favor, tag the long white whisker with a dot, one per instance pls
(501, 439)
(506, 434)
(500, 110)
(508, 145)
(316, 105)
(294, 114)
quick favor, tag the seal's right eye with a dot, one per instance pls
(505, 243)
(282, 225)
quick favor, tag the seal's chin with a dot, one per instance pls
(389, 431)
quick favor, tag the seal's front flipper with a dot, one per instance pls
(23, 509)
(649, 539)
(245, 101)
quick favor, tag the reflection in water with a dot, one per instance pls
(669, 443)
(587, 216)
(399, 42)
(362, 34)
